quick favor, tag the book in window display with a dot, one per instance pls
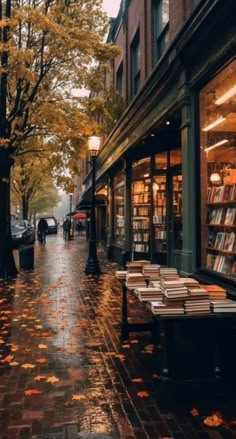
(211, 259)
(230, 216)
(219, 242)
(229, 242)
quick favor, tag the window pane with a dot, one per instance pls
(141, 168)
(161, 160)
(175, 157)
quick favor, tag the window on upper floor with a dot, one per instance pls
(119, 79)
(135, 64)
(160, 27)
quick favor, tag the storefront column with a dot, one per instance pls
(110, 213)
(126, 253)
(188, 254)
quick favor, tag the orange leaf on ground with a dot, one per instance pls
(143, 394)
(78, 397)
(194, 412)
(42, 346)
(42, 360)
(32, 392)
(213, 421)
(52, 380)
(40, 377)
(13, 363)
(7, 359)
(28, 366)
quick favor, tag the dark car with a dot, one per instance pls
(52, 223)
(22, 233)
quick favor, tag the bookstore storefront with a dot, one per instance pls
(153, 228)
(218, 173)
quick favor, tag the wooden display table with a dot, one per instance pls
(183, 344)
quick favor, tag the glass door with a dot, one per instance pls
(175, 223)
(160, 219)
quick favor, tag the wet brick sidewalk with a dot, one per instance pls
(64, 374)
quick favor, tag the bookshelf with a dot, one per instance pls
(141, 210)
(221, 229)
(159, 217)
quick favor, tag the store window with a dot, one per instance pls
(218, 173)
(135, 64)
(119, 205)
(160, 27)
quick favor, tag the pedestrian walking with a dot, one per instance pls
(42, 230)
(80, 228)
(66, 228)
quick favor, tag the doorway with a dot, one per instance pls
(167, 217)
(175, 217)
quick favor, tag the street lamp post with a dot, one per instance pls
(92, 265)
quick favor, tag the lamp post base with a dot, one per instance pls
(92, 266)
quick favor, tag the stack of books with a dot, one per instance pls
(135, 280)
(148, 294)
(168, 273)
(136, 266)
(215, 292)
(160, 308)
(151, 271)
(189, 282)
(174, 291)
(120, 274)
(223, 306)
(197, 306)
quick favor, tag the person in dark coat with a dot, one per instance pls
(42, 230)
(66, 228)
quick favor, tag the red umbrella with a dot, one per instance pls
(80, 215)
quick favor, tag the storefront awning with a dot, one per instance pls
(85, 202)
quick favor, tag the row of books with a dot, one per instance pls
(140, 186)
(216, 194)
(141, 236)
(224, 216)
(142, 198)
(141, 224)
(221, 241)
(141, 248)
(222, 264)
(141, 211)
(202, 307)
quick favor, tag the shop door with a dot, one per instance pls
(175, 223)
(160, 220)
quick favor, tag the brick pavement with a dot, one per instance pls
(64, 374)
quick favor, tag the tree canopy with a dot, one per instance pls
(48, 48)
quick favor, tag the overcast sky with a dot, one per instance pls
(111, 7)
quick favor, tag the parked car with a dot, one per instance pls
(52, 223)
(22, 232)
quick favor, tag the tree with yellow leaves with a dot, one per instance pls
(47, 50)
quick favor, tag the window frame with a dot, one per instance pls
(159, 35)
(135, 55)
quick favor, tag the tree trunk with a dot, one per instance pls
(7, 262)
(25, 207)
